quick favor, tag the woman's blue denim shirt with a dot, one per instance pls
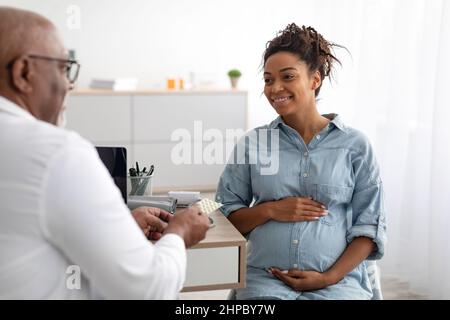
(337, 168)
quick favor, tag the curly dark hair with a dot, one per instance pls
(309, 45)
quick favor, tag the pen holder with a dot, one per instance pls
(139, 186)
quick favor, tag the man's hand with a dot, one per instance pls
(152, 221)
(189, 224)
(302, 280)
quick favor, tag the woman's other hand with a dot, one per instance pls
(302, 280)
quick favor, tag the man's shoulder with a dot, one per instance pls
(54, 138)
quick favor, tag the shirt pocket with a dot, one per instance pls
(335, 199)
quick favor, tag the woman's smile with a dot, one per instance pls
(281, 101)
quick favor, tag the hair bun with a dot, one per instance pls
(310, 46)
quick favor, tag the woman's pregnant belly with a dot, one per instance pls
(305, 245)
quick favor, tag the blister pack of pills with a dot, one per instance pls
(208, 206)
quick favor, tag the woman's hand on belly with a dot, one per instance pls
(293, 209)
(302, 280)
(290, 209)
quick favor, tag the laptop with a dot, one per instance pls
(115, 160)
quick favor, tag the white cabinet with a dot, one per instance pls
(219, 261)
(156, 117)
(100, 118)
(144, 122)
(170, 175)
(212, 266)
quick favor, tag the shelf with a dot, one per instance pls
(87, 91)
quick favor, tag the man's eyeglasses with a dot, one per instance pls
(72, 67)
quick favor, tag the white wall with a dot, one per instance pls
(152, 40)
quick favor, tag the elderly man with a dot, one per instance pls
(58, 204)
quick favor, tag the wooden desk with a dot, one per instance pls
(219, 261)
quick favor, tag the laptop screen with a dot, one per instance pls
(115, 160)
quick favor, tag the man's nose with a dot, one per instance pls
(70, 86)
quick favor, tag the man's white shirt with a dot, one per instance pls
(59, 208)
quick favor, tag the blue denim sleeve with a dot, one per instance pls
(234, 190)
(368, 219)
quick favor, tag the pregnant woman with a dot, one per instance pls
(313, 221)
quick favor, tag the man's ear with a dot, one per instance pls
(21, 74)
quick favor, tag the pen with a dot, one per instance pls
(150, 171)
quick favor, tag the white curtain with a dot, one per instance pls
(395, 88)
(398, 93)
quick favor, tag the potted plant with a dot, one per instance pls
(234, 75)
